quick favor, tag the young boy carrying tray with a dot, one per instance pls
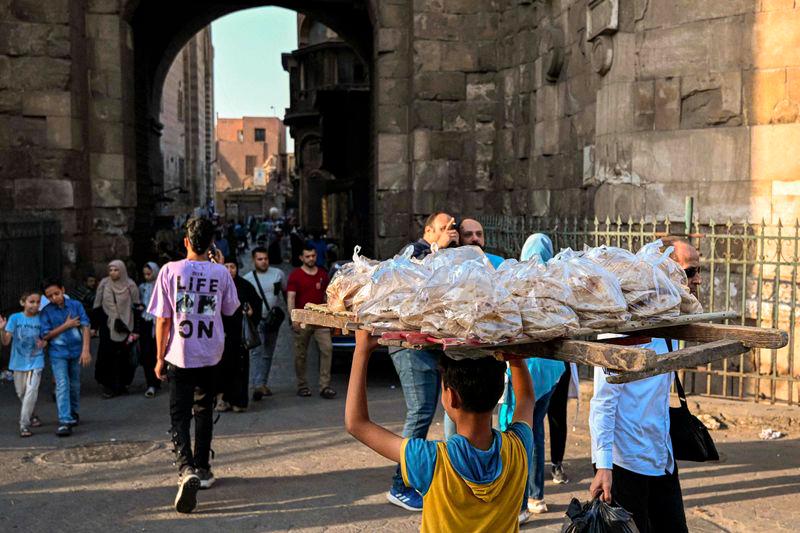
(476, 480)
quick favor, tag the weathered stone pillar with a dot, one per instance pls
(111, 139)
(391, 92)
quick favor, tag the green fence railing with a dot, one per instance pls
(748, 268)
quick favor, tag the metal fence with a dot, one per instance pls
(748, 268)
(30, 250)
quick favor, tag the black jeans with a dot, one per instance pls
(235, 373)
(656, 502)
(147, 355)
(191, 395)
(557, 417)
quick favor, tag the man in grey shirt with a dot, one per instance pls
(269, 283)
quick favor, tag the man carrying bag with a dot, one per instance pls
(269, 283)
(632, 447)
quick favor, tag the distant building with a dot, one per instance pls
(187, 137)
(329, 119)
(252, 170)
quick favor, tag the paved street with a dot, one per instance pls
(288, 465)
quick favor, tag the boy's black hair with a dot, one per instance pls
(479, 382)
(50, 282)
(259, 250)
(29, 292)
(200, 232)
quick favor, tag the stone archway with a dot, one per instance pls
(158, 34)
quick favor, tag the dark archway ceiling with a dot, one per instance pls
(161, 28)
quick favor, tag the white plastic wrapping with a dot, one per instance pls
(690, 305)
(544, 302)
(598, 297)
(649, 293)
(348, 281)
(461, 299)
(392, 283)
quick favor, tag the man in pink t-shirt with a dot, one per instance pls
(189, 298)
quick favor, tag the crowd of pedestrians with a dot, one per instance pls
(211, 333)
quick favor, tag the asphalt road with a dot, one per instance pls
(288, 465)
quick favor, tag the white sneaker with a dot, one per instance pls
(150, 392)
(524, 516)
(537, 506)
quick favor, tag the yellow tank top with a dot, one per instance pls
(455, 504)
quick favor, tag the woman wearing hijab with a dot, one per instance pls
(147, 332)
(235, 364)
(545, 374)
(115, 299)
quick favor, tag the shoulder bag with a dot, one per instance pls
(275, 315)
(250, 336)
(691, 440)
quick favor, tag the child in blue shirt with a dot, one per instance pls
(66, 327)
(27, 356)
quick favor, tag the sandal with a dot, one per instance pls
(25, 432)
(304, 392)
(36, 422)
(328, 393)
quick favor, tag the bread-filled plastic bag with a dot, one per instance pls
(690, 305)
(392, 283)
(544, 302)
(462, 300)
(348, 281)
(649, 293)
(599, 301)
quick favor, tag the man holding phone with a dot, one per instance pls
(189, 298)
(269, 283)
(418, 370)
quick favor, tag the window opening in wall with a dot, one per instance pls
(249, 165)
(260, 135)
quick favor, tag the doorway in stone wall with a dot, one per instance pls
(171, 102)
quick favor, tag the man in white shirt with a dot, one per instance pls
(270, 283)
(631, 444)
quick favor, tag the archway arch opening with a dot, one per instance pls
(330, 79)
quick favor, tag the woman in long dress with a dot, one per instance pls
(147, 332)
(114, 302)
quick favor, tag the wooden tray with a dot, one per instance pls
(717, 341)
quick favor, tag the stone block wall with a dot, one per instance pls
(605, 107)
(43, 130)
(538, 107)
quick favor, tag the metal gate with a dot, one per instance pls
(30, 250)
(748, 268)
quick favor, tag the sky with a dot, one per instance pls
(248, 77)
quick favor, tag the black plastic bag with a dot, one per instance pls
(597, 517)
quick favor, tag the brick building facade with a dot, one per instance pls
(478, 106)
(252, 165)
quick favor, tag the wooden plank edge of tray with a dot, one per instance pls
(752, 337)
(690, 357)
(615, 357)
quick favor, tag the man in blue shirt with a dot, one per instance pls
(631, 444)
(65, 327)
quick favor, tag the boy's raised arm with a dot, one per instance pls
(356, 413)
(523, 391)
